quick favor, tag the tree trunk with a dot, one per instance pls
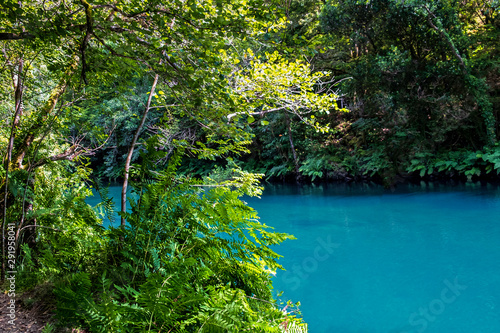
(292, 146)
(14, 159)
(18, 94)
(44, 113)
(131, 151)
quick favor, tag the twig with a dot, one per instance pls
(39, 226)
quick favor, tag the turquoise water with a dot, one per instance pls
(413, 259)
(115, 193)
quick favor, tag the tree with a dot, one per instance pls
(102, 41)
(416, 84)
(83, 46)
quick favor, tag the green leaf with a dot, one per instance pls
(250, 119)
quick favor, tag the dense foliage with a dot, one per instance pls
(190, 258)
(148, 82)
(420, 81)
(188, 99)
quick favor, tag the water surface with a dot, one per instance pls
(419, 258)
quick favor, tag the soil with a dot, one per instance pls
(34, 309)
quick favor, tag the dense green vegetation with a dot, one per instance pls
(420, 81)
(190, 102)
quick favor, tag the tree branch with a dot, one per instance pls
(86, 38)
(38, 226)
(14, 36)
(260, 113)
(131, 151)
(447, 39)
(72, 152)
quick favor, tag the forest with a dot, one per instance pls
(191, 105)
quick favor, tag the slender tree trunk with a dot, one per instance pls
(18, 94)
(294, 153)
(131, 151)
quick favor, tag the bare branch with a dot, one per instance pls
(38, 226)
(75, 150)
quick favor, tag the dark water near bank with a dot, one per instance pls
(419, 258)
